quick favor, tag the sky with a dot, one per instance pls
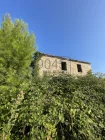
(70, 28)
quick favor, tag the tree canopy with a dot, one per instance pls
(17, 46)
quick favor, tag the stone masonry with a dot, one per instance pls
(55, 64)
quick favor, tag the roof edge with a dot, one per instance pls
(64, 58)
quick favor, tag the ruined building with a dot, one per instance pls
(56, 64)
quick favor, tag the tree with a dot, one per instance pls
(16, 50)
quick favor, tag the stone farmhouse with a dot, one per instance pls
(56, 64)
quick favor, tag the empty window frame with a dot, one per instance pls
(79, 68)
(63, 66)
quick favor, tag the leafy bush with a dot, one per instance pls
(63, 108)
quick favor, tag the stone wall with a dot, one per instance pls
(53, 65)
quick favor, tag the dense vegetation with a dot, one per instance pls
(16, 49)
(49, 108)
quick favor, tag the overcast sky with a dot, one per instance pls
(73, 28)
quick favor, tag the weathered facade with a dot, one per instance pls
(55, 65)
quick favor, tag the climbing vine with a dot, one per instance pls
(65, 107)
(35, 64)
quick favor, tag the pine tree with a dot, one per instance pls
(16, 50)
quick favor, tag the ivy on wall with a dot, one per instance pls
(35, 65)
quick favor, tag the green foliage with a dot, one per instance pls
(53, 108)
(64, 108)
(35, 65)
(16, 50)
